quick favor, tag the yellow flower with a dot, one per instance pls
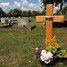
(57, 45)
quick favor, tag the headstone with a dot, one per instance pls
(22, 22)
(3, 20)
(13, 21)
(19, 17)
(11, 17)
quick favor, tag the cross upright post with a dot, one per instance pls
(49, 18)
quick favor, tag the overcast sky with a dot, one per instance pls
(21, 4)
(7, 5)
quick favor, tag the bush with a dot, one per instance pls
(64, 11)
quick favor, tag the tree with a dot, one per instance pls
(56, 2)
(64, 11)
(15, 13)
(53, 1)
(57, 13)
(2, 13)
(34, 13)
(25, 13)
(39, 12)
(29, 13)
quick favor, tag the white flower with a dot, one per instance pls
(37, 48)
(50, 55)
(43, 52)
(46, 56)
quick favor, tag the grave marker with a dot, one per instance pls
(49, 19)
(3, 20)
(22, 22)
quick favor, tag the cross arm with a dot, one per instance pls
(40, 18)
(56, 18)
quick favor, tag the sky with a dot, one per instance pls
(7, 5)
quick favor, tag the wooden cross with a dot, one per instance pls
(49, 18)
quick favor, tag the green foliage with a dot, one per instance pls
(25, 14)
(54, 49)
(34, 13)
(15, 13)
(52, 1)
(62, 54)
(29, 13)
(51, 49)
(20, 13)
(59, 53)
(56, 2)
(52, 46)
(58, 12)
(43, 1)
(2, 13)
(64, 11)
(53, 43)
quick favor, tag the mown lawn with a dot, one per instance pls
(17, 47)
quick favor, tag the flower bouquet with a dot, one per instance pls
(51, 52)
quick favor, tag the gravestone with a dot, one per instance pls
(3, 20)
(13, 21)
(23, 22)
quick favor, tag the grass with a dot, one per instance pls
(17, 47)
